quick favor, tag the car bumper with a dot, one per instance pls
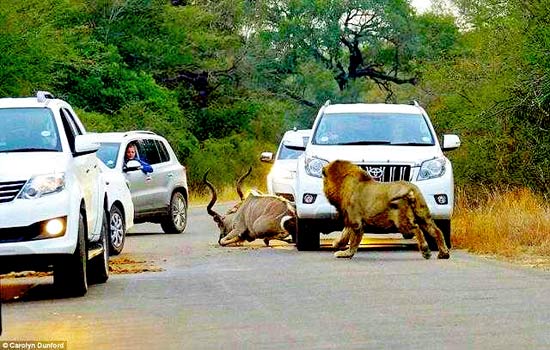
(320, 208)
(19, 215)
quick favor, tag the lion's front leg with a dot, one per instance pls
(342, 241)
(355, 236)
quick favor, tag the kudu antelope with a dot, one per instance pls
(257, 216)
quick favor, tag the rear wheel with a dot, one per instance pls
(69, 274)
(445, 227)
(117, 231)
(307, 235)
(177, 217)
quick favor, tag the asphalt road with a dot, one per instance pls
(255, 297)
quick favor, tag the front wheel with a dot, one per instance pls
(176, 220)
(69, 274)
(98, 267)
(307, 235)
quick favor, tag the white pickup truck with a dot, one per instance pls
(392, 142)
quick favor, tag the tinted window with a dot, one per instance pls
(148, 152)
(164, 156)
(108, 153)
(28, 129)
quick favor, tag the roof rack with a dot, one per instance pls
(139, 132)
(414, 103)
(327, 103)
(42, 96)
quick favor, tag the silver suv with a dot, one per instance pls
(160, 196)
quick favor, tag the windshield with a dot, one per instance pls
(373, 129)
(108, 153)
(28, 130)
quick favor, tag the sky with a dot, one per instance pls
(421, 5)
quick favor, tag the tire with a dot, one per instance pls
(117, 231)
(445, 227)
(69, 274)
(177, 219)
(307, 236)
(98, 267)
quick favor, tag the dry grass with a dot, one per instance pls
(512, 224)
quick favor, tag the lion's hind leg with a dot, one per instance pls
(431, 228)
(355, 236)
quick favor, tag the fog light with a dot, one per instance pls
(441, 199)
(309, 198)
(54, 227)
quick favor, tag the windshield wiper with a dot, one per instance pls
(380, 142)
(411, 144)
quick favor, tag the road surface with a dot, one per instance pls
(198, 295)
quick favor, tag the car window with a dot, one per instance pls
(108, 153)
(164, 155)
(28, 129)
(148, 152)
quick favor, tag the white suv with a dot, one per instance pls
(160, 196)
(280, 179)
(392, 142)
(52, 194)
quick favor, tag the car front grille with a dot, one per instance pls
(388, 172)
(8, 190)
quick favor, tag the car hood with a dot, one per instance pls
(17, 166)
(376, 154)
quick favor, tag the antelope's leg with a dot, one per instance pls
(232, 237)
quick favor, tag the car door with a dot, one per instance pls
(145, 188)
(86, 172)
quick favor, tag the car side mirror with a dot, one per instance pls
(85, 144)
(131, 165)
(297, 145)
(450, 142)
(266, 157)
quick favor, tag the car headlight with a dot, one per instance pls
(42, 185)
(431, 169)
(314, 166)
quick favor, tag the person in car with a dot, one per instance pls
(131, 155)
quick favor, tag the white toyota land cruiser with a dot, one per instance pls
(52, 195)
(392, 142)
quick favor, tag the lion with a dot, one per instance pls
(363, 202)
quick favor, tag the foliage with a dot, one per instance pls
(223, 80)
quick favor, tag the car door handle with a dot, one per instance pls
(170, 175)
(148, 178)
